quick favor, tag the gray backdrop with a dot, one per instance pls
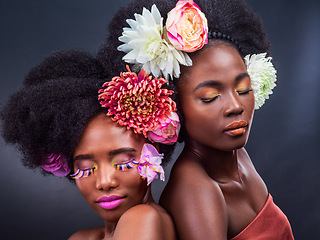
(284, 141)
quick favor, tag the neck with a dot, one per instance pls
(148, 199)
(109, 228)
(220, 165)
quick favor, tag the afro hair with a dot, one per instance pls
(56, 101)
(232, 22)
(58, 98)
(233, 18)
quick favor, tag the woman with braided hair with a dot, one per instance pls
(217, 55)
(61, 128)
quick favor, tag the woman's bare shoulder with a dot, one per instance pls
(142, 212)
(145, 222)
(189, 177)
(87, 234)
(191, 195)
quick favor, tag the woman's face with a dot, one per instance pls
(105, 145)
(217, 100)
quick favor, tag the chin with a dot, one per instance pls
(110, 217)
(234, 145)
(240, 145)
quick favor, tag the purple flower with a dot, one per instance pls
(56, 164)
(150, 163)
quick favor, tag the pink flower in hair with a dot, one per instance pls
(137, 101)
(150, 163)
(56, 164)
(187, 27)
(167, 131)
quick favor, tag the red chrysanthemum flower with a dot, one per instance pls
(137, 101)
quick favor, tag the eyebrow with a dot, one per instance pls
(209, 83)
(121, 150)
(111, 153)
(83, 157)
(214, 83)
(242, 76)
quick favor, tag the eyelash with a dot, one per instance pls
(244, 91)
(209, 100)
(87, 172)
(126, 166)
(82, 173)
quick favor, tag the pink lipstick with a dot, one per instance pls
(236, 128)
(110, 202)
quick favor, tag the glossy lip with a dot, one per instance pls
(110, 202)
(236, 128)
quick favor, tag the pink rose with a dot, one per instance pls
(168, 130)
(187, 27)
(56, 164)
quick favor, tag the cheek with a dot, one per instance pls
(135, 187)
(134, 182)
(85, 186)
(249, 111)
(202, 126)
(198, 116)
(190, 109)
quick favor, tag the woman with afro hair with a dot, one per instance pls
(217, 56)
(61, 128)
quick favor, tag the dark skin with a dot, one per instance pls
(214, 191)
(103, 145)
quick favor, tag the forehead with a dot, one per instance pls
(101, 131)
(214, 62)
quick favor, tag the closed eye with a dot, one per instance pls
(244, 91)
(82, 173)
(126, 166)
(208, 100)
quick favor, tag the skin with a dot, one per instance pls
(104, 144)
(214, 191)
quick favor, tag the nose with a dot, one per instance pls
(106, 179)
(233, 105)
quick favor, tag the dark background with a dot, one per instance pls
(284, 141)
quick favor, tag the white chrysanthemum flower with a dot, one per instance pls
(145, 46)
(263, 76)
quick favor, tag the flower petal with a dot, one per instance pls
(145, 46)
(150, 163)
(263, 76)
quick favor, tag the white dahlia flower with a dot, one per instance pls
(144, 45)
(263, 76)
